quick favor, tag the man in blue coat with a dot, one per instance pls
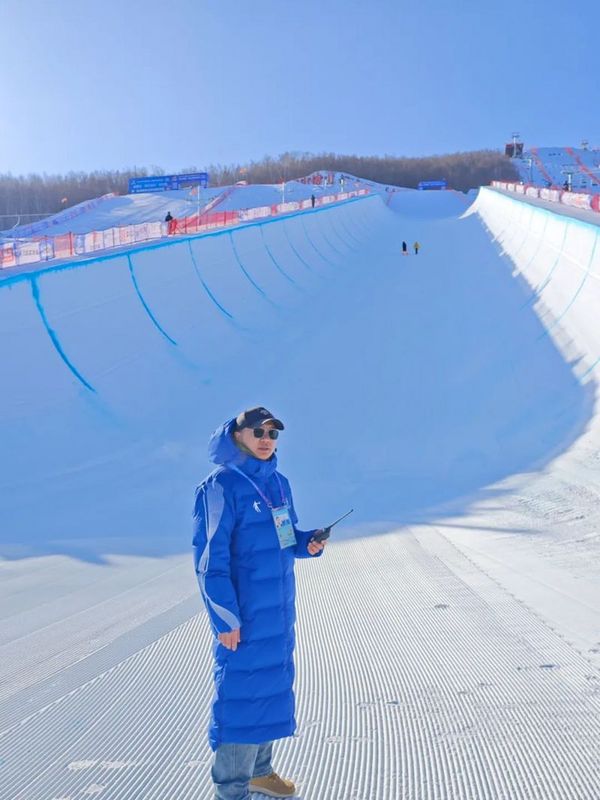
(245, 545)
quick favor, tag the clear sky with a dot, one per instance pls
(94, 84)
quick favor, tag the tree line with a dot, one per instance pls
(462, 171)
(27, 196)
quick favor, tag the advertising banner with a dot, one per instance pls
(165, 183)
(139, 232)
(576, 199)
(429, 185)
(553, 195)
(79, 244)
(192, 179)
(89, 242)
(159, 183)
(246, 214)
(108, 238)
(46, 248)
(154, 230)
(63, 245)
(285, 208)
(27, 252)
(7, 255)
(126, 234)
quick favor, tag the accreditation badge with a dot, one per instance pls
(284, 526)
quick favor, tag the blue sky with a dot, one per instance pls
(93, 85)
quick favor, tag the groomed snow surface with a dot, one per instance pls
(448, 642)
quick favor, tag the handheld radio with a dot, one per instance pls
(325, 533)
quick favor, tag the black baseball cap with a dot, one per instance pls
(255, 417)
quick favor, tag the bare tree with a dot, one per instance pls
(30, 196)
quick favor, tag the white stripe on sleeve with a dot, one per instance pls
(214, 505)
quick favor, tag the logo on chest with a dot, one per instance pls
(256, 506)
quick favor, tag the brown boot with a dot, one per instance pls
(273, 786)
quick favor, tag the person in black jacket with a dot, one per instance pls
(171, 222)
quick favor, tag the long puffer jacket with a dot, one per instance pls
(247, 582)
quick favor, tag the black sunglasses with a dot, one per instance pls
(273, 433)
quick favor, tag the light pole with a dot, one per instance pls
(285, 161)
(515, 137)
(568, 173)
(530, 164)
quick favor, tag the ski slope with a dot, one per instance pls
(448, 646)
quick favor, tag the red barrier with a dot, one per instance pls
(63, 245)
(553, 195)
(581, 200)
(8, 257)
(576, 199)
(126, 234)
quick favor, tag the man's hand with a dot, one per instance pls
(230, 640)
(315, 547)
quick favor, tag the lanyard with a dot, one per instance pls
(266, 499)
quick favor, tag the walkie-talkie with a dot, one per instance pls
(325, 533)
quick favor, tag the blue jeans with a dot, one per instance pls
(235, 764)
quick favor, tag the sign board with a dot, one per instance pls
(166, 183)
(432, 185)
(514, 150)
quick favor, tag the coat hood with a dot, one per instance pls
(222, 450)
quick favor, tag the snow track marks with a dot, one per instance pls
(389, 707)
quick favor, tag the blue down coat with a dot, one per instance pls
(247, 581)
